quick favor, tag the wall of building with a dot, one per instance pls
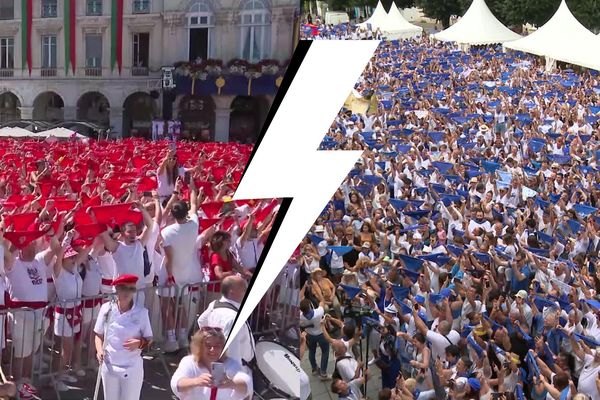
(167, 26)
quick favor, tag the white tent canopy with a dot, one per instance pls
(477, 27)
(562, 38)
(378, 16)
(16, 132)
(62, 133)
(393, 25)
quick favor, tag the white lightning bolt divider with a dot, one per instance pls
(287, 163)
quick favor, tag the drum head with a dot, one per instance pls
(279, 365)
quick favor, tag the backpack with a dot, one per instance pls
(336, 374)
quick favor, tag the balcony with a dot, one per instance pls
(48, 72)
(93, 11)
(139, 71)
(141, 7)
(93, 71)
(6, 73)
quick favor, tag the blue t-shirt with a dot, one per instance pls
(517, 285)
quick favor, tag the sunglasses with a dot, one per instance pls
(127, 288)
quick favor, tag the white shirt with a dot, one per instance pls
(189, 368)
(133, 323)
(93, 279)
(587, 378)
(242, 347)
(312, 326)
(165, 189)
(182, 240)
(68, 286)
(153, 238)
(26, 280)
(439, 342)
(129, 259)
(249, 252)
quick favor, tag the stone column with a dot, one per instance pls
(26, 112)
(116, 121)
(222, 115)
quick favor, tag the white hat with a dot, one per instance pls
(484, 128)
(522, 294)
(417, 235)
(319, 228)
(366, 245)
(322, 248)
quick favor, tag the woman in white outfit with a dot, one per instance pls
(193, 379)
(91, 274)
(122, 330)
(67, 314)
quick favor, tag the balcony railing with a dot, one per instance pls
(93, 71)
(94, 10)
(48, 72)
(141, 7)
(6, 73)
(139, 71)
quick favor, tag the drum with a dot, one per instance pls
(273, 370)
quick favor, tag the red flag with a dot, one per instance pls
(88, 232)
(21, 222)
(206, 223)
(212, 209)
(22, 239)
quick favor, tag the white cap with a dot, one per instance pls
(322, 248)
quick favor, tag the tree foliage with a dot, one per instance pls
(440, 9)
(509, 12)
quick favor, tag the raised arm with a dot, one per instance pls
(193, 197)
(148, 223)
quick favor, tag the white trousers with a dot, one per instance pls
(123, 383)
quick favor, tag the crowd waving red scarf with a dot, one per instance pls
(85, 175)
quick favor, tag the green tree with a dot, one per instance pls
(441, 9)
(587, 12)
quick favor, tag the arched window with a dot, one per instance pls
(200, 23)
(255, 27)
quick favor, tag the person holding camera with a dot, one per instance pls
(207, 374)
(310, 322)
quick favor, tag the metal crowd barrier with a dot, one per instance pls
(275, 313)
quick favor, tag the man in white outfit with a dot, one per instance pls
(182, 263)
(221, 314)
(128, 252)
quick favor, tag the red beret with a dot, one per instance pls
(125, 279)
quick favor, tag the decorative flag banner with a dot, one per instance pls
(564, 288)
(505, 176)
(70, 35)
(351, 291)
(26, 21)
(400, 293)
(414, 264)
(528, 192)
(116, 36)
(341, 250)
